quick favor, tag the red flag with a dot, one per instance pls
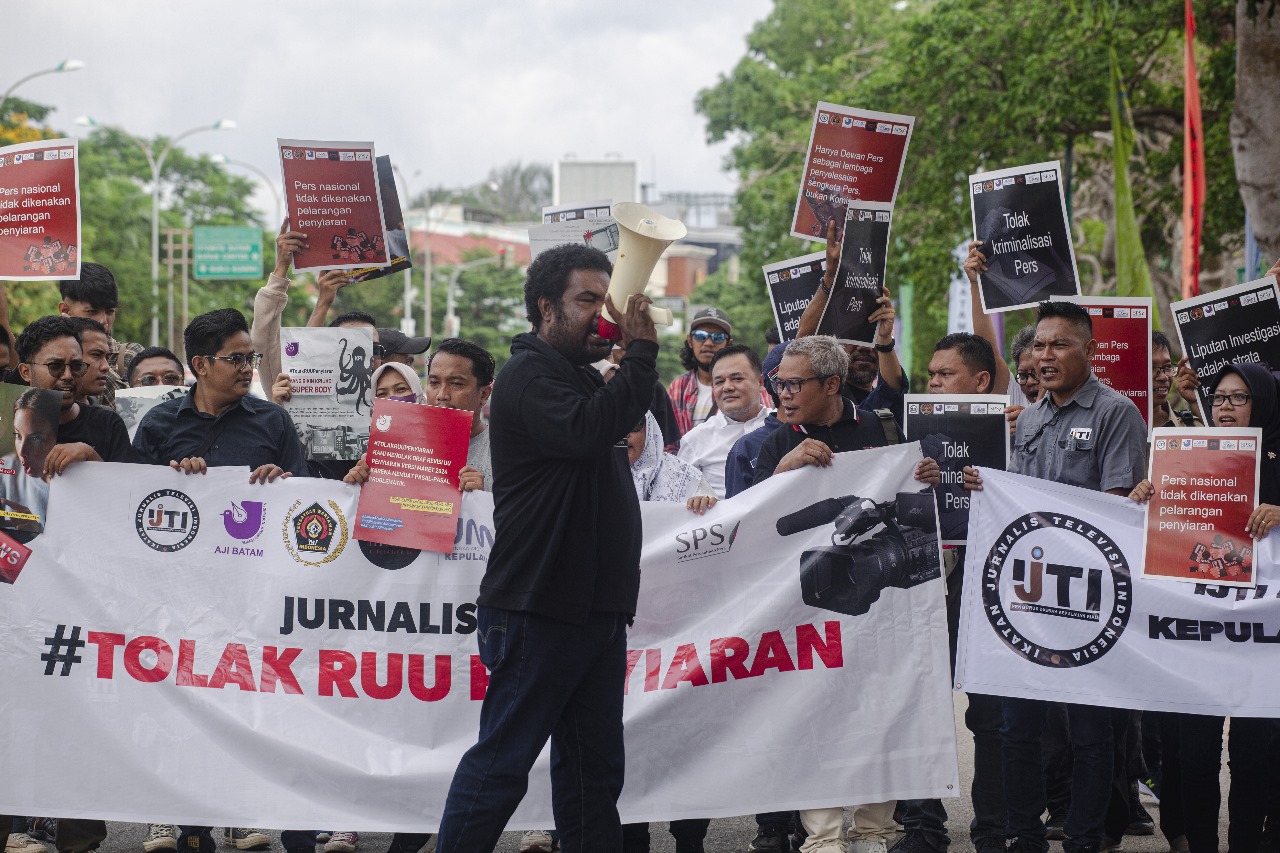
(1193, 186)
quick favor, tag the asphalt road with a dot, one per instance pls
(731, 835)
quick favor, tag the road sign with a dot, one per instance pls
(227, 252)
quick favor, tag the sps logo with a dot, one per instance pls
(704, 542)
(167, 520)
(1057, 590)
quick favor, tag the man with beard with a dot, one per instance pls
(564, 572)
(691, 396)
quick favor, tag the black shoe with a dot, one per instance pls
(196, 839)
(1053, 827)
(770, 839)
(915, 842)
(689, 847)
(990, 845)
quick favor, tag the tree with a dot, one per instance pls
(516, 192)
(1255, 124)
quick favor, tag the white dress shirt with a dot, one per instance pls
(707, 445)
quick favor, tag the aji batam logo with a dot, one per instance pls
(1057, 590)
(167, 520)
(315, 535)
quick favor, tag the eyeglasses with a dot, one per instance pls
(167, 379)
(57, 367)
(238, 359)
(1024, 377)
(1237, 398)
(702, 336)
(795, 386)
(379, 351)
(1167, 370)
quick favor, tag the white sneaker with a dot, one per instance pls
(537, 841)
(161, 836)
(862, 845)
(20, 842)
(246, 838)
(342, 842)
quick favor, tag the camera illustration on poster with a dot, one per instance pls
(1020, 217)
(331, 375)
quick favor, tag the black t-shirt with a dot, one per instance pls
(101, 429)
(857, 429)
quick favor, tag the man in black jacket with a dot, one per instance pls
(564, 572)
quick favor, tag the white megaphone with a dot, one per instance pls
(642, 238)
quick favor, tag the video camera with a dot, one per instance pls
(847, 576)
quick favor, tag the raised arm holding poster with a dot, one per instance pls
(1240, 323)
(1205, 487)
(958, 430)
(1020, 217)
(393, 218)
(579, 210)
(853, 155)
(1122, 328)
(864, 252)
(792, 284)
(332, 194)
(40, 210)
(413, 496)
(332, 389)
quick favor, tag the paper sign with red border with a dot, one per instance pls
(1122, 361)
(412, 497)
(853, 155)
(40, 210)
(1205, 483)
(333, 196)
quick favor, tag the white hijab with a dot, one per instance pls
(659, 476)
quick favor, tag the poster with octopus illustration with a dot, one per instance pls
(330, 375)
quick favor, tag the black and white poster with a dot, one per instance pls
(864, 252)
(1240, 323)
(792, 284)
(1020, 217)
(958, 430)
(331, 373)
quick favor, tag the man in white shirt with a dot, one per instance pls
(735, 384)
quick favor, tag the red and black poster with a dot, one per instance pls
(333, 196)
(412, 496)
(854, 155)
(1122, 361)
(1206, 487)
(40, 210)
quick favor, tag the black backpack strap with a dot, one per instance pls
(892, 434)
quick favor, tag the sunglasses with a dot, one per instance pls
(702, 336)
(167, 379)
(57, 367)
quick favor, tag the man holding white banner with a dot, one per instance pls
(1082, 433)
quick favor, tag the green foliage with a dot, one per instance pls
(516, 192)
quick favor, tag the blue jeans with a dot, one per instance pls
(548, 679)
(1091, 748)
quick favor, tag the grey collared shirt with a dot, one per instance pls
(1096, 440)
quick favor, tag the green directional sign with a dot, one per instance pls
(227, 252)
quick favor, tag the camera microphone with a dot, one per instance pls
(815, 515)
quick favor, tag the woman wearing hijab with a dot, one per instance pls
(1243, 395)
(396, 381)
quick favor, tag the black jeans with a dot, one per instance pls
(1253, 780)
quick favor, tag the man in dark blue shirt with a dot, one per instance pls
(217, 423)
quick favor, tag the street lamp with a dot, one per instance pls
(452, 325)
(406, 323)
(224, 160)
(157, 164)
(64, 65)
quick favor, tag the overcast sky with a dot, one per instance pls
(448, 89)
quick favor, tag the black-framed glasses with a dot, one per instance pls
(59, 366)
(168, 379)
(1167, 370)
(1024, 376)
(795, 386)
(238, 360)
(702, 336)
(1237, 398)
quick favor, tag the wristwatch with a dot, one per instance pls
(885, 347)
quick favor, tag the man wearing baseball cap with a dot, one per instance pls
(400, 347)
(709, 332)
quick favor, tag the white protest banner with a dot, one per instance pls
(330, 371)
(221, 653)
(1055, 609)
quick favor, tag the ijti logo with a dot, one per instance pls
(167, 520)
(702, 542)
(1057, 590)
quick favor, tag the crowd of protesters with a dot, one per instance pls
(580, 431)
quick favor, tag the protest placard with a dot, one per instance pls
(1122, 361)
(864, 252)
(393, 218)
(40, 210)
(1205, 485)
(792, 284)
(331, 374)
(415, 455)
(332, 193)
(132, 404)
(958, 430)
(599, 233)
(1240, 323)
(1020, 217)
(853, 155)
(579, 210)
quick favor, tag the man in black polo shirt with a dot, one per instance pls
(217, 423)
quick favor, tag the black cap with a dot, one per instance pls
(397, 342)
(714, 316)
